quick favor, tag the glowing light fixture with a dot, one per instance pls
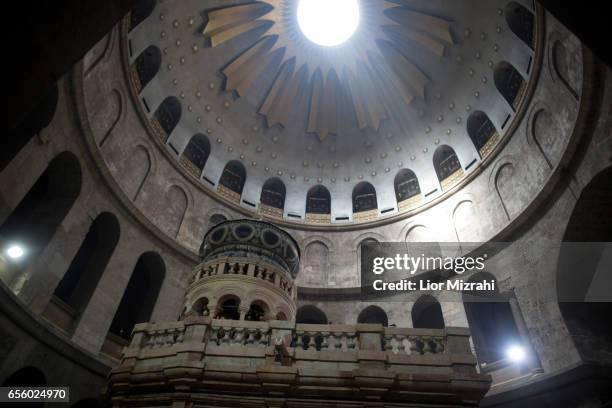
(15, 252)
(516, 353)
(328, 22)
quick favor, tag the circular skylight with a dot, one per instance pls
(328, 22)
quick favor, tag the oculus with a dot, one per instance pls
(328, 23)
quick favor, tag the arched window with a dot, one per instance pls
(141, 11)
(273, 197)
(147, 66)
(318, 204)
(373, 315)
(364, 197)
(310, 315)
(447, 166)
(40, 213)
(509, 82)
(482, 132)
(26, 377)
(196, 154)
(427, 313)
(140, 295)
(522, 22)
(407, 188)
(232, 180)
(32, 124)
(491, 322)
(167, 116)
(229, 309)
(80, 280)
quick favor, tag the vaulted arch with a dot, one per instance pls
(40, 213)
(85, 271)
(140, 295)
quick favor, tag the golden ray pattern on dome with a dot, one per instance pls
(373, 56)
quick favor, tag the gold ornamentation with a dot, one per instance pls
(270, 211)
(490, 145)
(410, 203)
(319, 219)
(229, 194)
(364, 216)
(451, 180)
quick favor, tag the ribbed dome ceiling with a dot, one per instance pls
(396, 117)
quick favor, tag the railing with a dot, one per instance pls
(301, 337)
(239, 336)
(302, 360)
(403, 343)
(230, 266)
(325, 340)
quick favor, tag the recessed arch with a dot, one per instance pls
(232, 180)
(482, 132)
(196, 154)
(373, 315)
(147, 66)
(521, 22)
(167, 116)
(447, 166)
(364, 198)
(427, 313)
(510, 83)
(140, 294)
(310, 314)
(315, 271)
(273, 194)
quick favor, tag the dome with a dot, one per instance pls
(239, 96)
